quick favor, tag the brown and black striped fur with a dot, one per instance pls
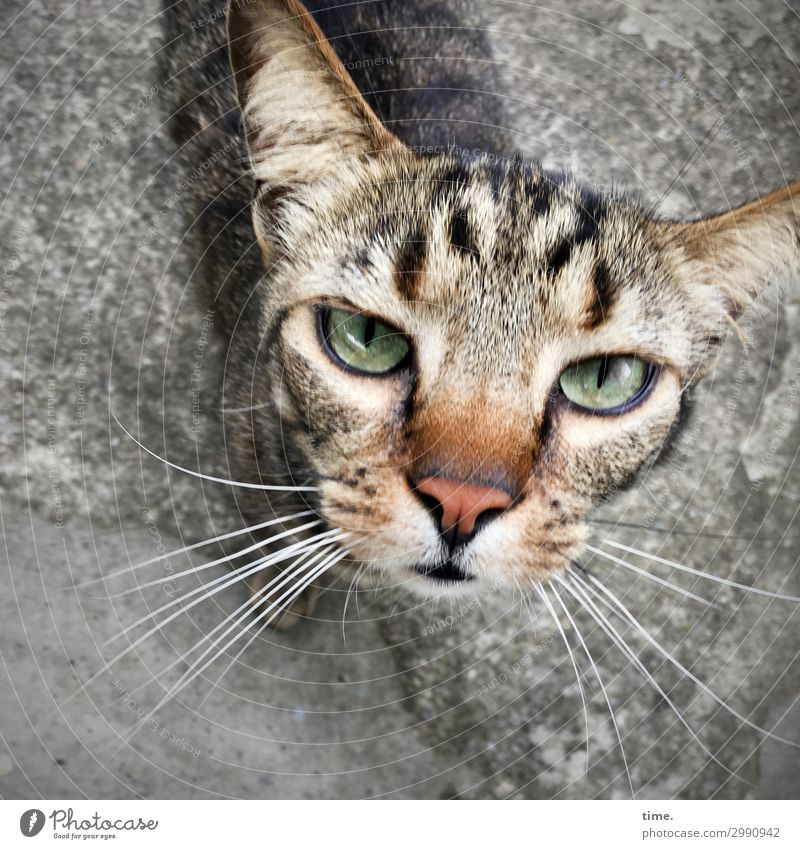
(500, 273)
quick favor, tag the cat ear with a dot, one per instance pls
(303, 114)
(737, 254)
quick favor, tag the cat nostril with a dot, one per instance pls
(433, 506)
(486, 518)
(460, 509)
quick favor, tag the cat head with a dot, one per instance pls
(469, 356)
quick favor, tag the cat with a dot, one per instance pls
(448, 355)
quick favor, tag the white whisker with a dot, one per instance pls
(193, 546)
(543, 593)
(225, 581)
(235, 556)
(183, 682)
(324, 553)
(524, 605)
(700, 574)
(599, 681)
(252, 602)
(226, 411)
(610, 557)
(576, 586)
(193, 672)
(347, 599)
(528, 606)
(212, 478)
(617, 606)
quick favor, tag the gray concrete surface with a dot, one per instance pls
(402, 700)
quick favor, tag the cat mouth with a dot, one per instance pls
(447, 572)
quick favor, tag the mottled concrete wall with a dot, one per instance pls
(96, 313)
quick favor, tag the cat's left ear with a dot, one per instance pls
(304, 117)
(734, 256)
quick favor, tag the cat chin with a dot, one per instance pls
(428, 582)
(442, 582)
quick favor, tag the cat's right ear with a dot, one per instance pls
(303, 114)
(732, 257)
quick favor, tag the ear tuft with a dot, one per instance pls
(303, 115)
(738, 254)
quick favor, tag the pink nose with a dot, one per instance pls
(459, 505)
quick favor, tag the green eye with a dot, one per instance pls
(363, 343)
(605, 383)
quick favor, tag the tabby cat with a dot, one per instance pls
(442, 357)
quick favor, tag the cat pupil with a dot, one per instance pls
(369, 331)
(602, 372)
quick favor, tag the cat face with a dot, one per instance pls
(468, 356)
